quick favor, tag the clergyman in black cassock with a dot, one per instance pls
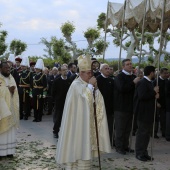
(59, 91)
(106, 87)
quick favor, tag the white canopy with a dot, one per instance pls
(134, 13)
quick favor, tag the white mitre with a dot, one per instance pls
(84, 63)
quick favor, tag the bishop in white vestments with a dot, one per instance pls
(77, 143)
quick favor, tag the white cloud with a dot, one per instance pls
(30, 20)
(37, 24)
(59, 2)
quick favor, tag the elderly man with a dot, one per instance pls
(59, 91)
(106, 87)
(9, 111)
(77, 142)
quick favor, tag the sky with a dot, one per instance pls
(30, 20)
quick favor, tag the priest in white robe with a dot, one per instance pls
(77, 143)
(9, 111)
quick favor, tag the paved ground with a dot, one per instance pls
(36, 151)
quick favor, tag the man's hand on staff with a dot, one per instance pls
(156, 89)
(93, 81)
(136, 80)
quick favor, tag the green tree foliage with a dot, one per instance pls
(96, 44)
(48, 49)
(91, 34)
(59, 50)
(56, 49)
(150, 60)
(100, 46)
(17, 47)
(67, 29)
(3, 36)
(101, 18)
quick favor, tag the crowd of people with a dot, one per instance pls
(125, 103)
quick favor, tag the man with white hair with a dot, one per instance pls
(59, 92)
(106, 87)
(77, 143)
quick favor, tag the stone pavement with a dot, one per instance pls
(36, 151)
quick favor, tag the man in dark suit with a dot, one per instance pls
(167, 132)
(74, 76)
(144, 106)
(111, 72)
(124, 87)
(106, 87)
(161, 102)
(59, 91)
(72, 69)
(50, 81)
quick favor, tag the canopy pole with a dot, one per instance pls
(160, 50)
(143, 25)
(123, 19)
(138, 71)
(105, 29)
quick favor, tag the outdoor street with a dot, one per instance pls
(36, 151)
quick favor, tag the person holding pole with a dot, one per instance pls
(161, 102)
(144, 106)
(77, 143)
(124, 87)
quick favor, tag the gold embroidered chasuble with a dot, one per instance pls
(9, 104)
(77, 136)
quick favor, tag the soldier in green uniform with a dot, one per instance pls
(39, 90)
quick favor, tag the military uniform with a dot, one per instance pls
(24, 88)
(14, 73)
(39, 92)
(18, 69)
